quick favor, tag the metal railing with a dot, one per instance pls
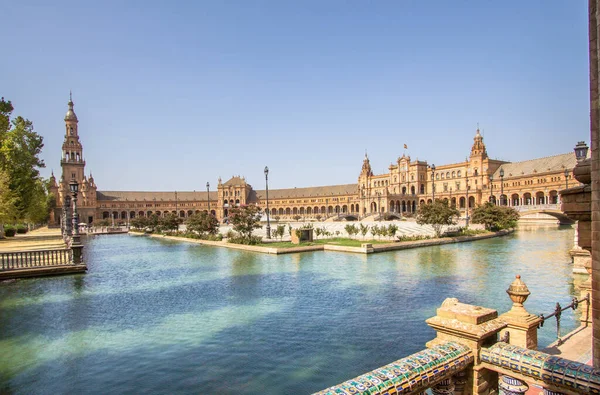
(558, 312)
(32, 259)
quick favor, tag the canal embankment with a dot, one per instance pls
(364, 248)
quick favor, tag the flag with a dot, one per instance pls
(405, 146)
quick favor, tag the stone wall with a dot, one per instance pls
(595, 156)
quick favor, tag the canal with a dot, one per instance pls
(166, 317)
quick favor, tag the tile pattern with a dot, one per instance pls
(559, 372)
(407, 375)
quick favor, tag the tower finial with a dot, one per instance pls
(366, 156)
(70, 95)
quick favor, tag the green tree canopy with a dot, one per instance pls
(495, 217)
(20, 149)
(437, 214)
(245, 219)
(202, 223)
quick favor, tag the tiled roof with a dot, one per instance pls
(234, 181)
(149, 196)
(540, 165)
(328, 190)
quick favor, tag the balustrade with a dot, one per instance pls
(466, 356)
(32, 259)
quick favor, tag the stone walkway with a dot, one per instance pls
(576, 346)
(39, 239)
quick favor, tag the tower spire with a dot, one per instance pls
(70, 96)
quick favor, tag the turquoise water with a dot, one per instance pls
(166, 317)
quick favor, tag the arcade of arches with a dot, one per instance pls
(407, 184)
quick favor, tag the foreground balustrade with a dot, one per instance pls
(431, 368)
(32, 259)
(466, 356)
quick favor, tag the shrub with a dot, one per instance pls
(21, 229)
(252, 240)
(9, 231)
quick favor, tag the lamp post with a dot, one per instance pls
(433, 182)
(379, 204)
(208, 196)
(267, 190)
(467, 202)
(76, 245)
(492, 189)
(581, 150)
(501, 186)
(567, 178)
(66, 222)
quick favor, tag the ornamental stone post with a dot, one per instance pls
(521, 326)
(475, 327)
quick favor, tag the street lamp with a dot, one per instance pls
(581, 150)
(208, 195)
(66, 222)
(567, 178)
(501, 186)
(267, 190)
(433, 182)
(492, 189)
(74, 187)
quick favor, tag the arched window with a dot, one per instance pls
(453, 174)
(447, 174)
(458, 173)
(442, 176)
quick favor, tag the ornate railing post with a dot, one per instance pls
(473, 326)
(521, 325)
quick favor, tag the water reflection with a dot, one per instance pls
(153, 315)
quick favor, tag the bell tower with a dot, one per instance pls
(72, 163)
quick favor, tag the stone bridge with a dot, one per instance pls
(542, 213)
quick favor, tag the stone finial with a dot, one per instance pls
(518, 292)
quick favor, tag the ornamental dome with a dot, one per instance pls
(70, 115)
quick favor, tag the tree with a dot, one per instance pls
(391, 230)
(374, 230)
(364, 229)
(202, 223)
(245, 219)
(137, 222)
(7, 203)
(351, 230)
(280, 231)
(296, 218)
(152, 222)
(495, 217)
(20, 148)
(6, 109)
(169, 222)
(437, 214)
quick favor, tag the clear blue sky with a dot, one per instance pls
(172, 94)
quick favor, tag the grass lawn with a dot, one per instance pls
(341, 241)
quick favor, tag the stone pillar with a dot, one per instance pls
(595, 157)
(521, 326)
(472, 326)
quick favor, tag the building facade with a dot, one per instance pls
(407, 185)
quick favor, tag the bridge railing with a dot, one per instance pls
(32, 259)
(532, 207)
